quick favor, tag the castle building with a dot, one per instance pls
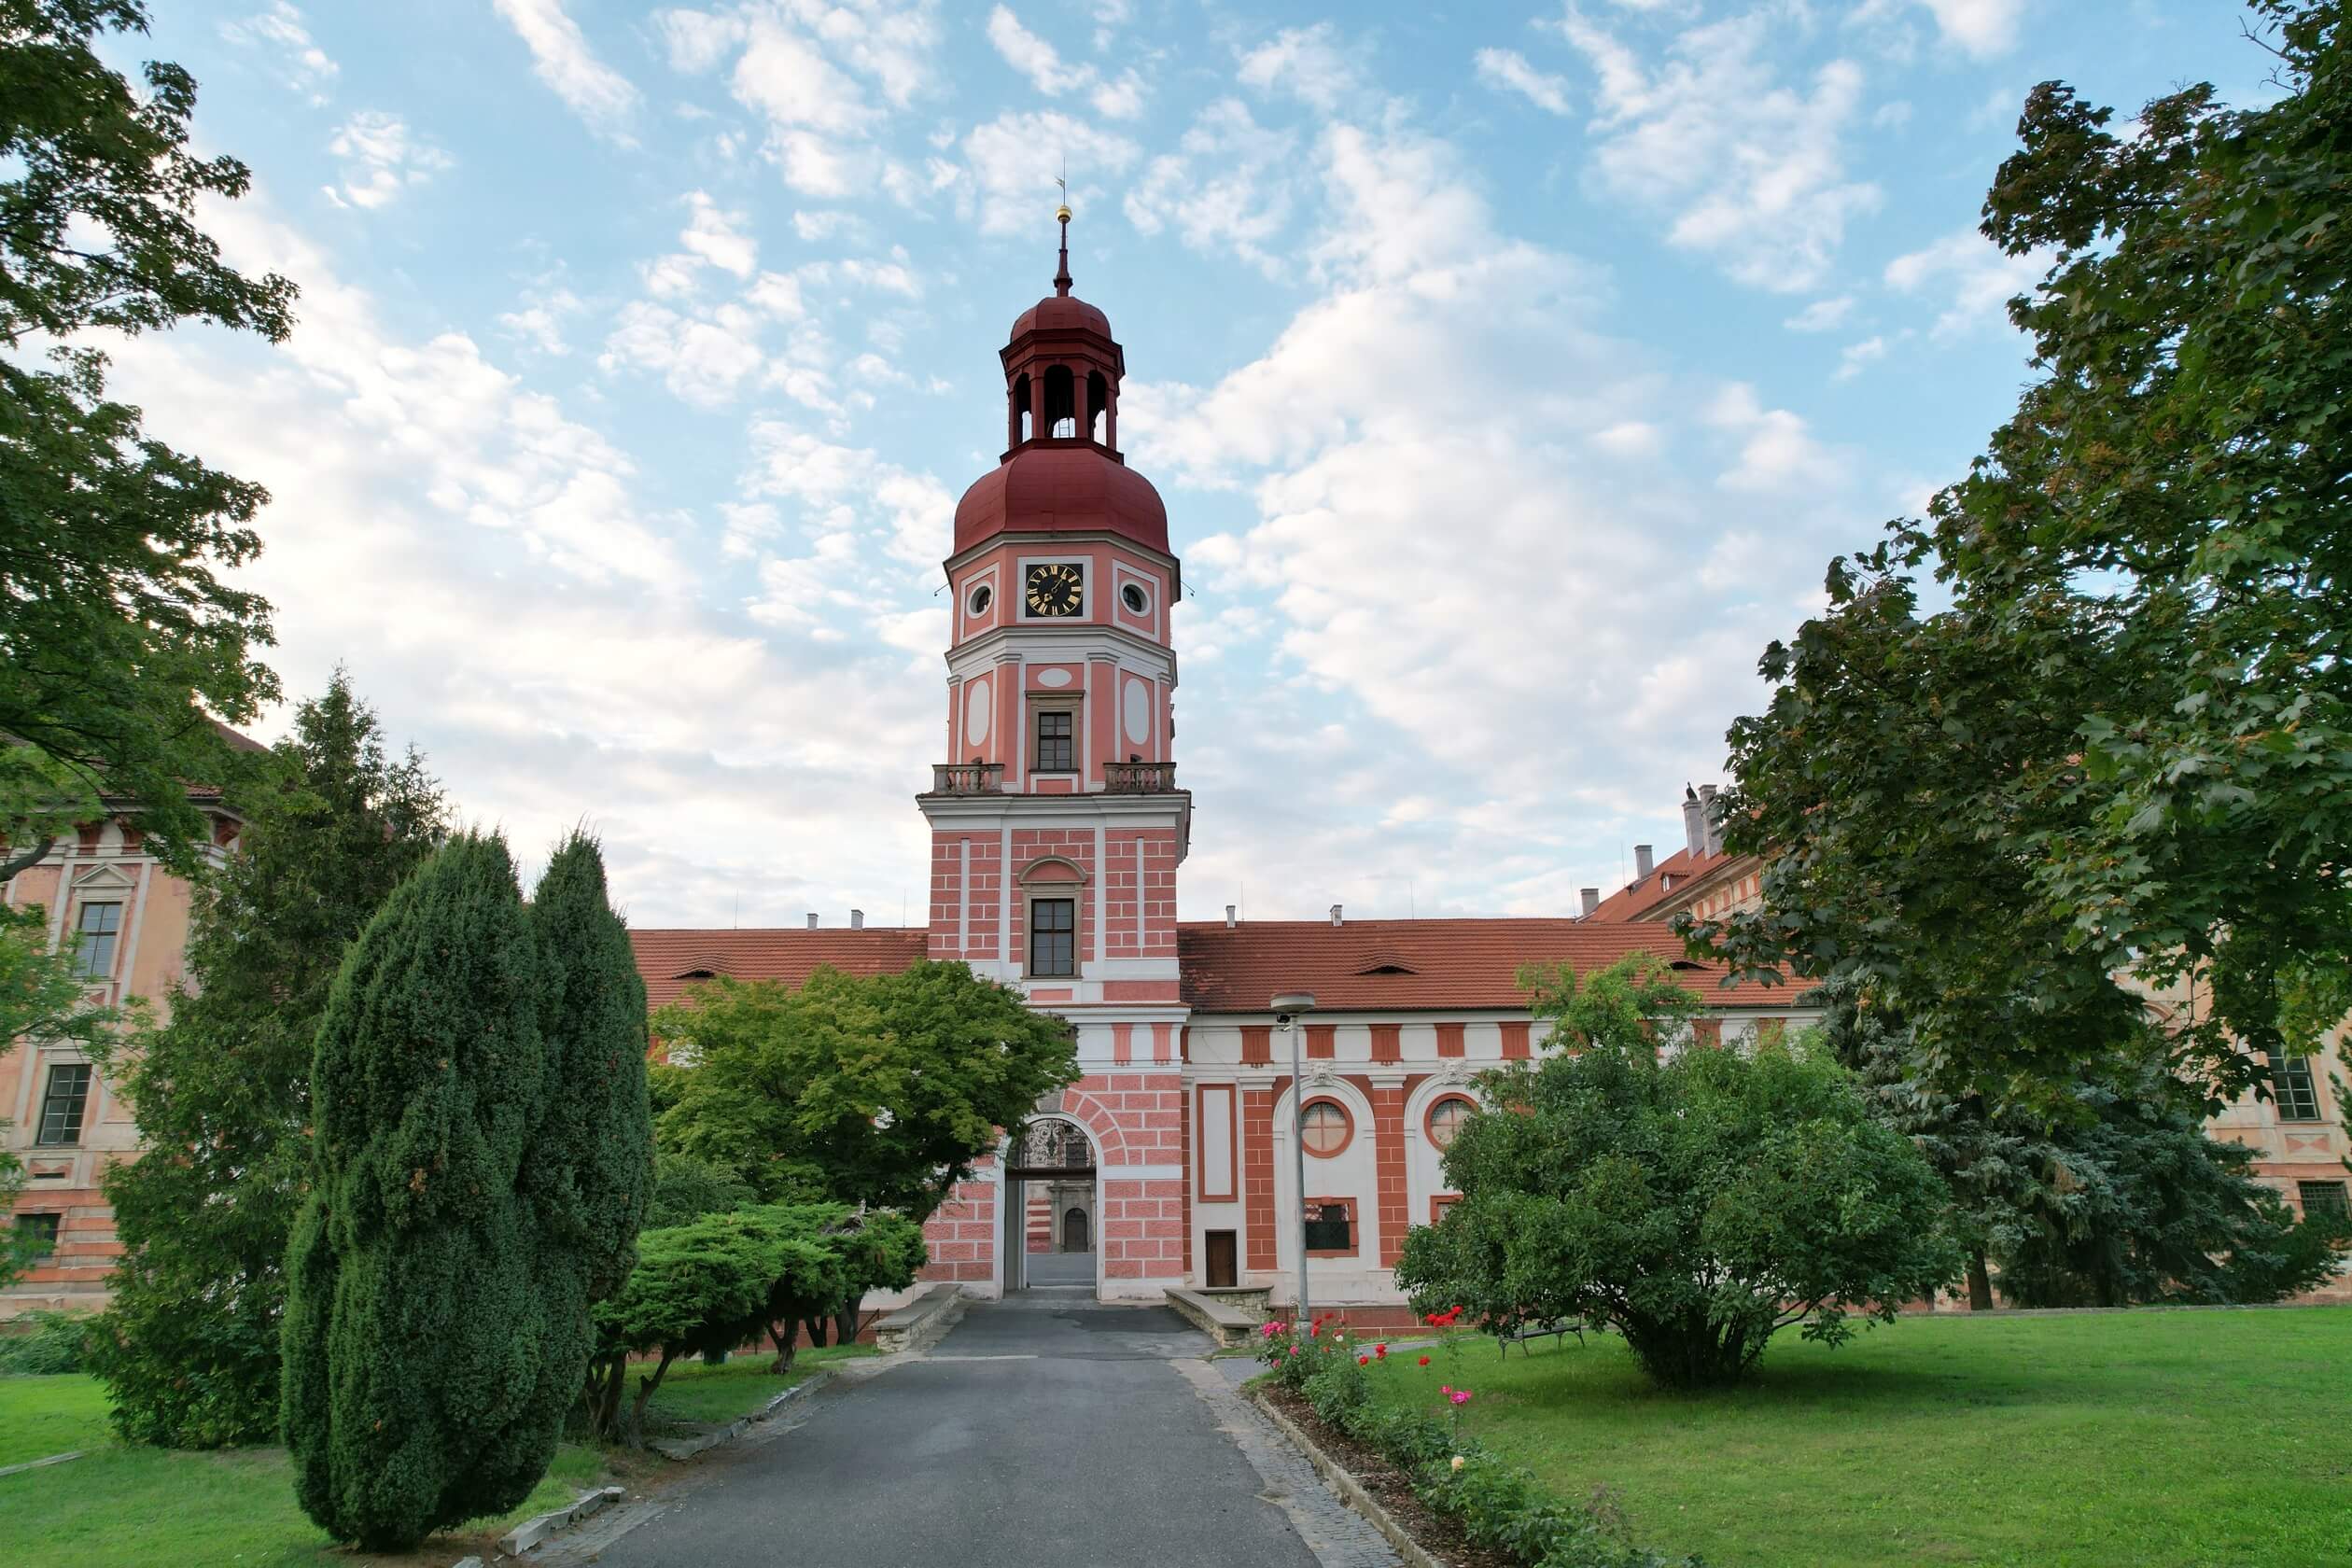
(104, 894)
(1057, 831)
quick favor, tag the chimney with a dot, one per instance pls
(856, 919)
(812, 920)
(1694, 822)
(1640, 861)
(1592, 897)
(1712, 818)
(1335, 914)
(1230, 920)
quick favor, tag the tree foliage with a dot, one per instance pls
(2125, 745)
(220, 1092)
(686, 1188)
(1697, 1199)
(724, 1279)
(441, 1274)
(117, 632)
(2115, 1195)
(878, 1091)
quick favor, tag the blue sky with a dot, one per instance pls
(1510, 374)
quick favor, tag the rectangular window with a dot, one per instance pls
(63, 1106)
(1056, 744)
(1331, 1227)
(1053, 936)
(36, 1235)
(96, 933)
(2298, 1095)
(2323, 1198)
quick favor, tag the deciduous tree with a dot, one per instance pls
(2125, 745)
(877, 1091)
(1695, 1199)
(118, 634)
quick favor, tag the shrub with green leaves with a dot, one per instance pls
(696, 1288)
(437, 1325)
(1696, 1199)
(686, 1188)
(44, 1344)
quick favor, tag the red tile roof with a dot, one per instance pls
(668, 959)
(1362, 966)
(1681, 868)
(1417, 965)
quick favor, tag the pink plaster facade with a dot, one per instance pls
(65, 1159)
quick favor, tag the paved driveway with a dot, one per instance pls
(1043, 1431)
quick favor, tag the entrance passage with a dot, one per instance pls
(1049, 1202)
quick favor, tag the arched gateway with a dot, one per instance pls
(1049, 1190)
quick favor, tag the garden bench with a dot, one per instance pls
(1557, 1327)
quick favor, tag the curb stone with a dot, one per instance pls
(37, 1464)
(687, 1448)
(537, 1531)
(1343, 1481)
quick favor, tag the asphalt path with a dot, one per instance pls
(1047, 1431)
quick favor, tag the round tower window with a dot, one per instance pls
(980, 599)
(1133, 596)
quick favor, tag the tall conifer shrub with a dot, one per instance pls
(426, 1360)
(592, 1170)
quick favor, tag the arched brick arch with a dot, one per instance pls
(1110, 1144)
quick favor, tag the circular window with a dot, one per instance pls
(1325, 1129)
(980, 599)
(1446, 1118)
(1133, 596)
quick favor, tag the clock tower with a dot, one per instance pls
(1057, 825)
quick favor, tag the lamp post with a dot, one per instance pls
(1287, 1007)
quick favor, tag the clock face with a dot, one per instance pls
(1056, 588)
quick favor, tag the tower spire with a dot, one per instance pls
(1061, 277)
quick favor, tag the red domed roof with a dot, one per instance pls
(1061, 312)
(1062, 488)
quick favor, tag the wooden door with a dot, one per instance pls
(1222, 1256)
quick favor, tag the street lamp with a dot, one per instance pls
(1287, 1010)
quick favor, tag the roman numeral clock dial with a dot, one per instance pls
(1056, 588)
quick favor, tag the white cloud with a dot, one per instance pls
(1975, 277)
(1750, 171)
(704, 359)
(538, 322)
(308, 69)
(527, 622)
(1035, 58)
(1446, 467)
(717, 236)
(1822, 316)
(1228, 186)
(1983, 28)
(1777, 453)
(1308, 64)
(561, 58)
(1509, 69)
(381, 158)
(1856, 356)
(1007, 185)
(825, 77)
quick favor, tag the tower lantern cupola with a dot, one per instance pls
(1062, 370)
(1062, 470)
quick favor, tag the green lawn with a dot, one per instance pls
(128, 1507)
(695, 1392)
(2110, 1441)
